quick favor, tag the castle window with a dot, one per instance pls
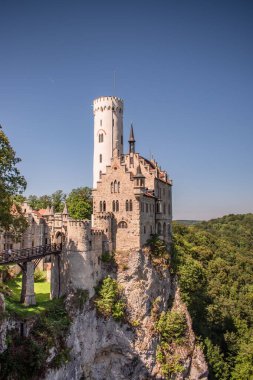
(100, 206)
(100, 174)
(100, 137)
(100, 158)
(122, 224)
(130, 205)
(113, 206)
(142, 206)
(144, 229)
(146, 207)
(164, 210)
(104, 206)
(118, 187)
(115, 186)
(100, 123)
(131, 160)
(117, 205)
(126, 205)
(111, 187)
(151, 230)
(121, 140)
(159, 228)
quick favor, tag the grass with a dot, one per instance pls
(42, 294)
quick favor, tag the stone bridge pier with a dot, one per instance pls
(27, 292)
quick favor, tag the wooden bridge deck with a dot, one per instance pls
(28, 254)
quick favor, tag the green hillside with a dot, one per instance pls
(214, 262)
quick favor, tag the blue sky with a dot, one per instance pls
(184, 69)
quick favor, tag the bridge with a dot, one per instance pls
(28, 259)
(19, 256)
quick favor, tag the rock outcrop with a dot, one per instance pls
(103, 349)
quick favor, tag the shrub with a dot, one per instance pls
(171, 326)
(107, 257)
(109, 301)
(39, 275)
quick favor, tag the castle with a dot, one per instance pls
(131, 201)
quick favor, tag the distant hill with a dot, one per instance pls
(214, 264)
(187, 222)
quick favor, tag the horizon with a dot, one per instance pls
(183, 70)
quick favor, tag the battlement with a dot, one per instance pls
(96, 232)
(108, 103)
(79, 223)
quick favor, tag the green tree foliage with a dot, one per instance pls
(109, 301)
(12, 183)
(214, 262)
(55, 200)
(172, 328)
(79, 203)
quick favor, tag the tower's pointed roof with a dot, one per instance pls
(131, 136)
(65, 210)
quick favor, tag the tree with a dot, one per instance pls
(12, 183)
(79, 203)
(56, 200)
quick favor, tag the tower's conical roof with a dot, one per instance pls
(131, 136)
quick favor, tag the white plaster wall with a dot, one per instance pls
(112, 131)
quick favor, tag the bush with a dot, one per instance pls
(107, 257)
(157, 246)
(109, 301)
(39, 275)
(171, 326)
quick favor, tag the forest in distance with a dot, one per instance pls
(214, 264)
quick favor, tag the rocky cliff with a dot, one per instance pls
(103, 348)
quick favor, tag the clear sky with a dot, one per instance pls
(184, 69)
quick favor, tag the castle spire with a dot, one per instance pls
(131, 140)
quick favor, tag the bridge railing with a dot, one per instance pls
(27, 254)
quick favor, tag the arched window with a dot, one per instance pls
(111, 187)
(118, 187)
(117, 205)
(100, 206)
(126, 205)
(100, 158)
(115, 186)
(113, 206)
(100, 174)
(130, 205)
(122, 224)
(104, 206)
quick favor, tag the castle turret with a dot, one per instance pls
(108, 133)
(131, 140)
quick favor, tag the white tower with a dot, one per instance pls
(108, 133)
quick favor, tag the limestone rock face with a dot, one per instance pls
(103, 349)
